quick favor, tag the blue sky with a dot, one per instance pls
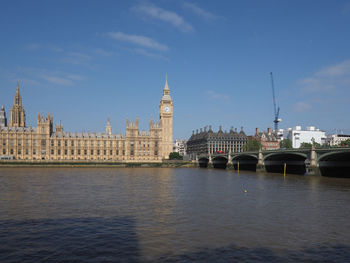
(83, 61)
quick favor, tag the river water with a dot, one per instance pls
(171, 215)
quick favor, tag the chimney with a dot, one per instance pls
(269, 130)
(256, 131)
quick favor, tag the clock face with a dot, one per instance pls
(166, 109)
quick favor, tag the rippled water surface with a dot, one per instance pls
(171, 215)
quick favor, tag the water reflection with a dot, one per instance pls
(171, 215)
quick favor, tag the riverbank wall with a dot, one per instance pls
(80, 164)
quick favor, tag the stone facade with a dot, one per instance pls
(46, 143)
(3, 119)
(209, 142)
(268, 140)
(180, 146)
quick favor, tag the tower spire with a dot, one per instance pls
(166, 87)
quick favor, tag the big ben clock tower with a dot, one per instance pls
(166, 121)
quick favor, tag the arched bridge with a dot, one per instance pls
(325, 161)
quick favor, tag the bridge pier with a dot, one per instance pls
(229, 164)
(210, 163)
(312, 168)
(260, 167)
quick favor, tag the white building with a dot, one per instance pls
(310, 135)
(180, 146)
(336, 139)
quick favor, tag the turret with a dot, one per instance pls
(108, 127)
(17, 114)
(45, 125)
(3, 119)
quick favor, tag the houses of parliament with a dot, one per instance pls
(19, 142)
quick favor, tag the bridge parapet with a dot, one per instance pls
(309, 158)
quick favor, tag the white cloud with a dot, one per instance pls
(158, 13)
(138, 40)
(216, 96)
(302, 106)
(328, 79)
(102, 52)
(43, 77)
(58, 80)
(200, 11)
(146, 53)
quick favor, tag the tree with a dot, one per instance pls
(286, 144)
(346, 143)
(252, 145)
(305, 145)
(175, 156)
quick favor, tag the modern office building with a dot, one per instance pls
(336, 139)
(298, 136)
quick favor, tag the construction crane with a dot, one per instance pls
(276, 110)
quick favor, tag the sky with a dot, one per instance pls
(85, 61)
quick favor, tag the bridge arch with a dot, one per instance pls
(246, 162)
(219, 162)
(294, 161)
(203, 162)
(335, 164)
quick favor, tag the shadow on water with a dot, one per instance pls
(336, 253)
(69, 240)
(115, 240)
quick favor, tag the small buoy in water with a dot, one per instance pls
(246, 191)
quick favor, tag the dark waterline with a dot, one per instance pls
(171, 215)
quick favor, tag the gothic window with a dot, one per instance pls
(104, 143)
(132, 152)
(98, 152)
(72, 152)
(110, 152)
(59, 143)
(19, 151)
(79, 152)
(19, 142)
(52, 151)
(27, 151)
(65, 152)
(65, 143)
(11, 142)
(59, 152)
(92, 152)
(117, 152)
(42, 130)
(155, 143)
(34, 151)
(43, 143)
(104, 152)
(4, 151)
(11, 151)
(131, 143)
(72, 143)
(78, 143)
(4, 142)
(155, 153)
(52, 142)
(85, 152)
(110, 143)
